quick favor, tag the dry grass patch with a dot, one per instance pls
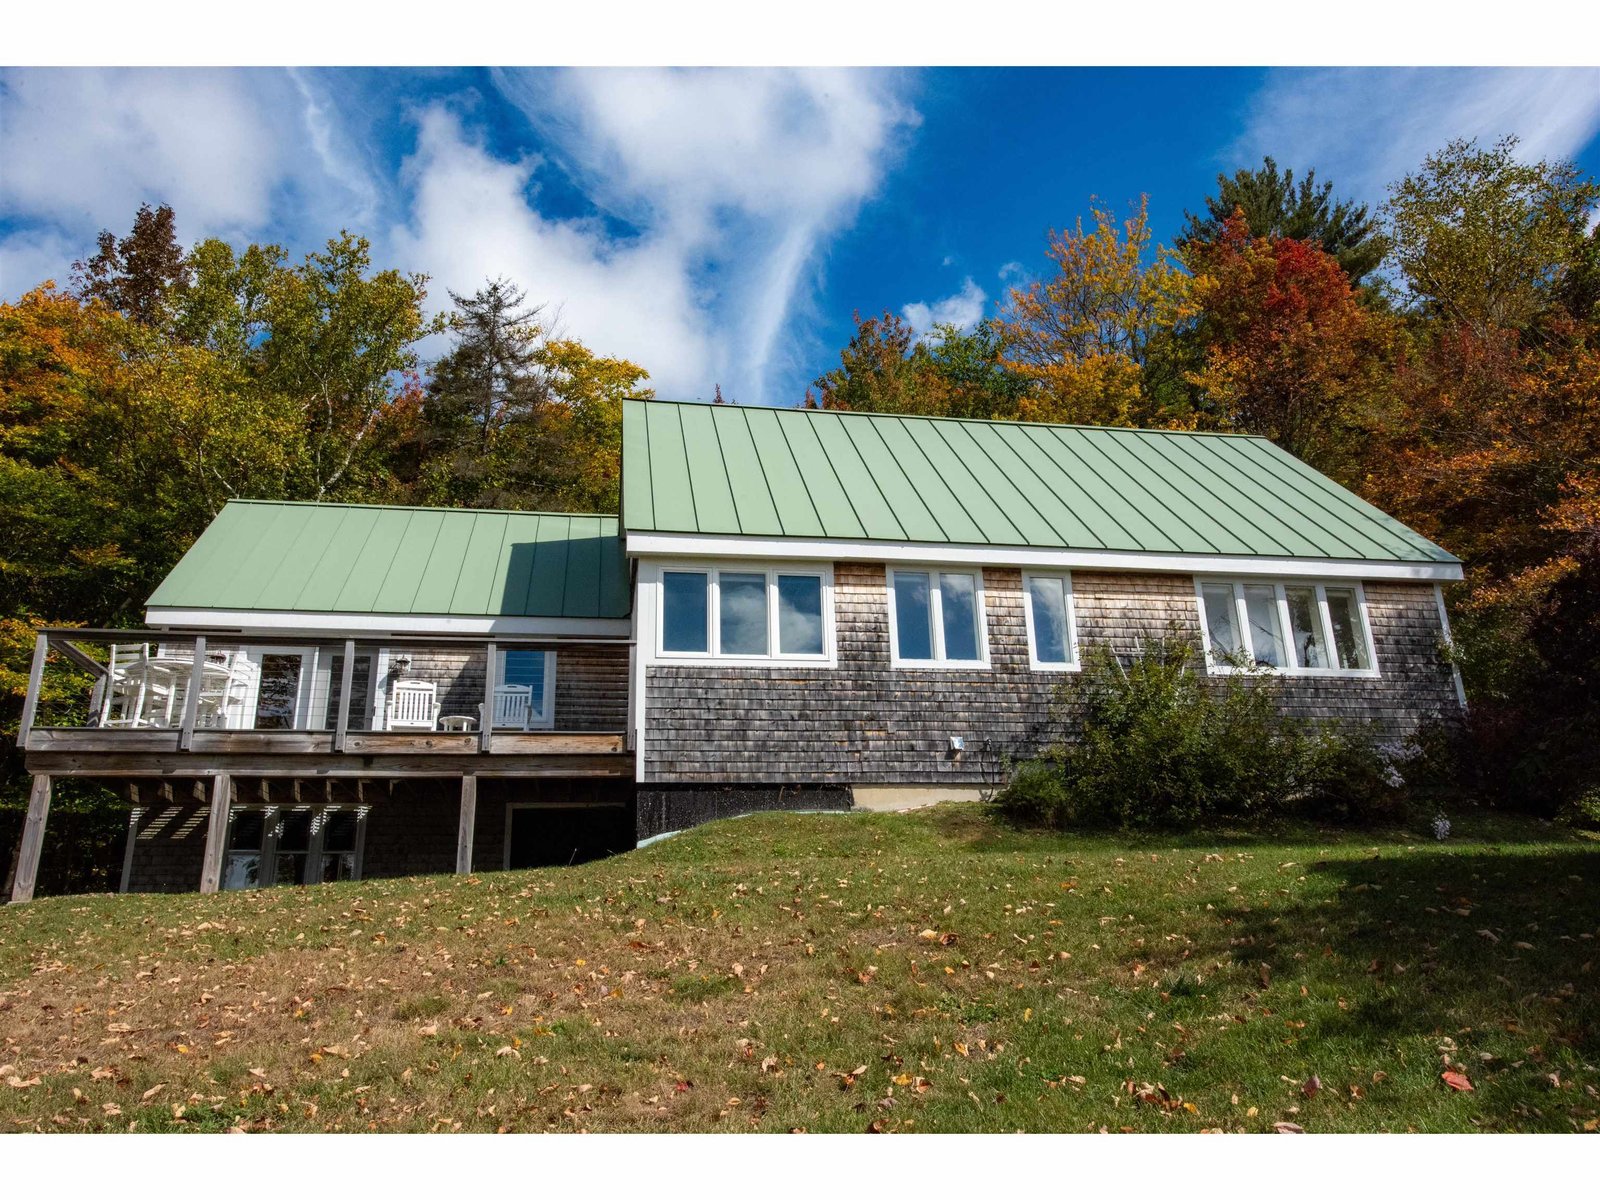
(928, 971)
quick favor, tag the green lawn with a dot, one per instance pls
(927, 971)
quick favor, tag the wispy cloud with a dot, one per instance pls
(963, 309)
(735, 180)
(1364, 128)
(712, 196)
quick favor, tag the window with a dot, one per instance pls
(745, 612)
(268, 847)
(535, 671)
(1052, 635)
(936, 619)
(1295, 628)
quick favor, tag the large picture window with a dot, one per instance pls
(936, 618)
(1052, 629)
(747, 613)
(1295, 628)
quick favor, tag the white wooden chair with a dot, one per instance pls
(513, 706)
(413, 704)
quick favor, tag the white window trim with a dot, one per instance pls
(1075, 663)
(546, 718)
(936, 619)
(1241, 620)
(653, 576)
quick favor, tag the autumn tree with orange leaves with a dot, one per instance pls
(1090, 338)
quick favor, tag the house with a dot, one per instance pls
(795, 609)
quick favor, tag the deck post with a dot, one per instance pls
(346, 678)
(216, 833)
(469, 816)
(191, 702)
(486, 726)
(135, 814)
(30, 702)
(32, 840)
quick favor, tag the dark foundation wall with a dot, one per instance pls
(864, 722)
(668, 809)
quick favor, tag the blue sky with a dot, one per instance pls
(716, 227)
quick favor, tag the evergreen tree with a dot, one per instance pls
(1275, 206)
(492, 373)
(138, 275)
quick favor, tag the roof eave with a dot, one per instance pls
(698, 545)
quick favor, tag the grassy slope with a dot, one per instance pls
(774, 973)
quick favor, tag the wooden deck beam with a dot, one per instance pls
(32, 840)
(216, 833)
(469, 817)
(135, 765)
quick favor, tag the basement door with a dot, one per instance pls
(559, 834)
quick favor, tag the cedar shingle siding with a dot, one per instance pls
(863, 722)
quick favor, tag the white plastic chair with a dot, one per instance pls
(414, 704)
(513, 706)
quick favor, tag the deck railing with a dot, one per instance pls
(152, 690)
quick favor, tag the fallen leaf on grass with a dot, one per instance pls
(1456, 1081)
(153, 1091)
(1287, 1127)
(1311, 1086)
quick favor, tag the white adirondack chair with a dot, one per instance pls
(513, 706)
(414, 704)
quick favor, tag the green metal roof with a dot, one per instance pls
(357, 558)
(765, 472)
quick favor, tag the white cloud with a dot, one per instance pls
(743, 174)
(715, 193)
(469, 220)
(82, 149)
(964, 309)
(1011, 271)
(1362, 129)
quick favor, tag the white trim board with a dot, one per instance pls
(768, 549)
(275, 621)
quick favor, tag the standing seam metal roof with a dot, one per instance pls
(359, 558)
(765, 472)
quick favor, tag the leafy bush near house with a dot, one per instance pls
(1164, 745)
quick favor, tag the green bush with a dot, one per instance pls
(1162, 744)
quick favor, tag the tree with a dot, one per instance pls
(138, 275)
(492, 371)
(1275, 207)
(339, 345)
(514, 417)
(1088, 339)
(950, 372)
(1484, 240)
(1289, 352)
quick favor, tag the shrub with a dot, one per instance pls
(1161, 744)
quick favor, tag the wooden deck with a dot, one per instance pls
(159, 753)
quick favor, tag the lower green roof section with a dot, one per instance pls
(281, 556)
(804, 473)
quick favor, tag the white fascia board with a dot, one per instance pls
(674, 545)
(400, 625)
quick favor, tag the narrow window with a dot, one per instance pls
(800, 614)
(743, 627)
(1305, 625)
(1222, 621)
(1349, 639)
(1261, 610)
(294, 845)
(338, 857)
(243, 866)
(1047, 612)
(278, 694)
(913, 614)
(958, 597)
(526, 668)
(684, 627)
